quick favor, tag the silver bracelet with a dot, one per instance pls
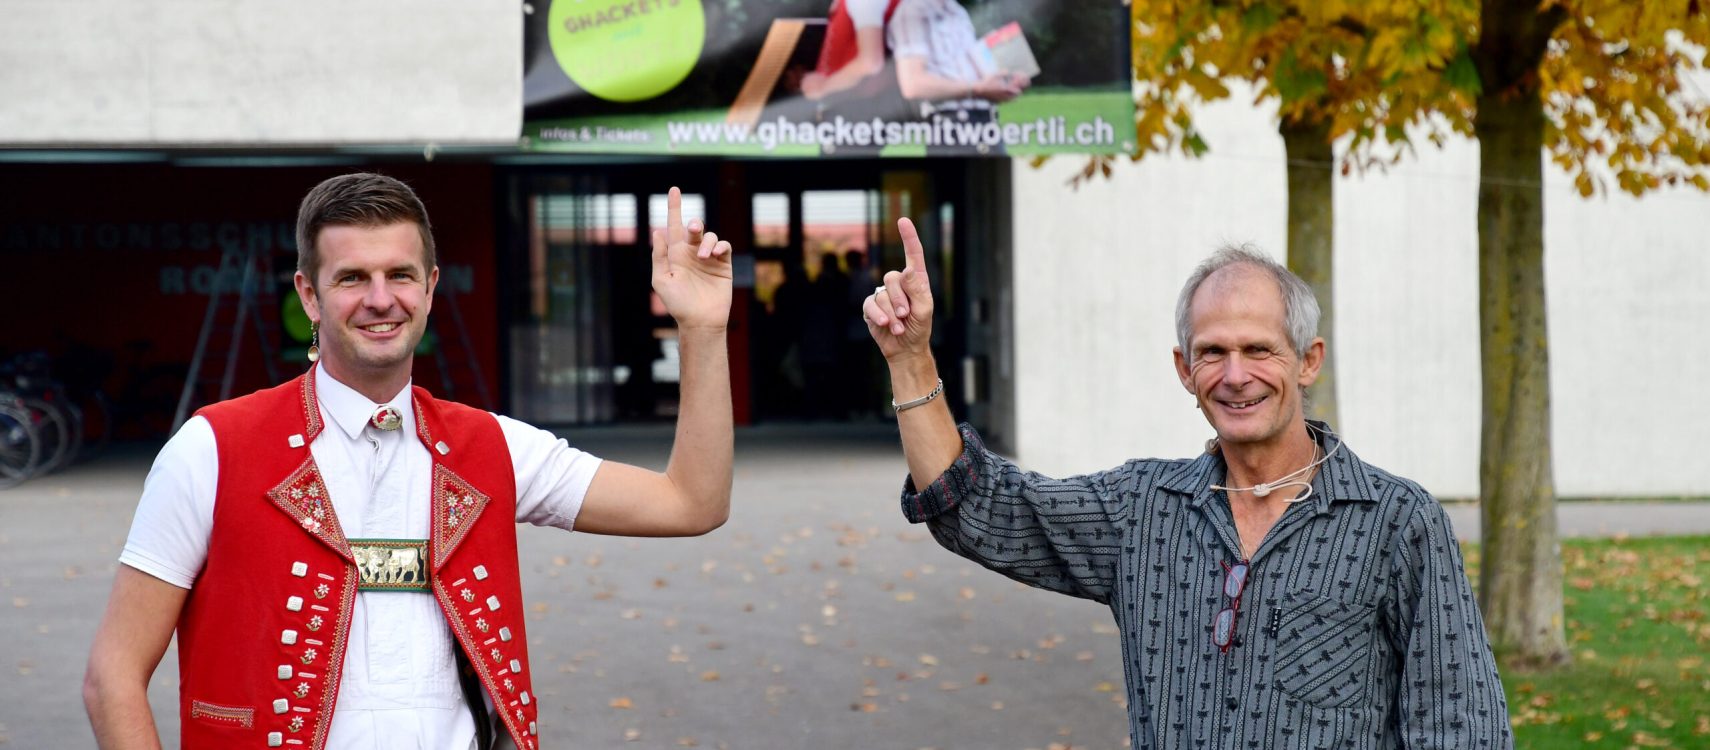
(906, 405)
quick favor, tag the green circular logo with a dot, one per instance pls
(296, 321)
(626, 50)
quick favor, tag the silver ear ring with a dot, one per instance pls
(314, 353)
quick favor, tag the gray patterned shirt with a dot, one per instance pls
(1357, 628)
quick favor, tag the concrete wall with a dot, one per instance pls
(231, 72)
(1097, 276)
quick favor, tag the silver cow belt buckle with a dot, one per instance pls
(391, 564)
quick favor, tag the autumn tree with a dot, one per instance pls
(1372, 73)
(1596, 84)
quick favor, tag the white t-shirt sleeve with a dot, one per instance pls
(552, 477)
(909, 33)
(169, 534)
(866, 14)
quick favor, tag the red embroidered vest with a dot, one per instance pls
(840, 45)
(261, 640)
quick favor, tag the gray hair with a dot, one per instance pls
(1299, 303)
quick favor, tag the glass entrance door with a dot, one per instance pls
(589, 341)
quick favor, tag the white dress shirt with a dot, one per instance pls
(399, 688)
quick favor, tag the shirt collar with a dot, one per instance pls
(350, 410)
(1343, 476)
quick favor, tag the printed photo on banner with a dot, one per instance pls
(836, 78)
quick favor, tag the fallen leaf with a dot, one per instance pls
(966, 592)
(905, 596)
(631, 735)
(621, 703)
(560, 561)
(929, 660)
(20, 602)
(710, 675)
(687, 742)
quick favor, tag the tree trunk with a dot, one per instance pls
(1520, 579)
(1311, 243)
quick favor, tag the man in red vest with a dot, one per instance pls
(854, 46)
(337, 555)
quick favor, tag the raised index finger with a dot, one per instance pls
(914, 255)
(674, 231)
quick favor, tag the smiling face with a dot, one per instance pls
(1240, 365)
(371, 297)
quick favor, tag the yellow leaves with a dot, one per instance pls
(621, 703)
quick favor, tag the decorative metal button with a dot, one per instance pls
(295, 604)
(493, 603)
(516, 667)
(288, 637)
(299, 569)
(285, 672)
(296, 441)
(387, 418)
(281, 706)
(442, 447)
(504, 634)
(275, 739)
(480, 572)
(532, 729)
(525, 697)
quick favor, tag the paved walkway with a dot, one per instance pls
(818, 618)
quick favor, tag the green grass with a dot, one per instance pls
(1638, 626)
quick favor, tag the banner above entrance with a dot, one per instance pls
(846, 78)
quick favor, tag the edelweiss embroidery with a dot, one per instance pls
(456, 505)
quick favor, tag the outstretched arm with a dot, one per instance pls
(692, 274)
(1057, 534)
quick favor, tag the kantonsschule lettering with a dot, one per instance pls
(615, 14)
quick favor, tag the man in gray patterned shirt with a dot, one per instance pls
(1273, 592)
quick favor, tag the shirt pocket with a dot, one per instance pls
(1324, 650)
